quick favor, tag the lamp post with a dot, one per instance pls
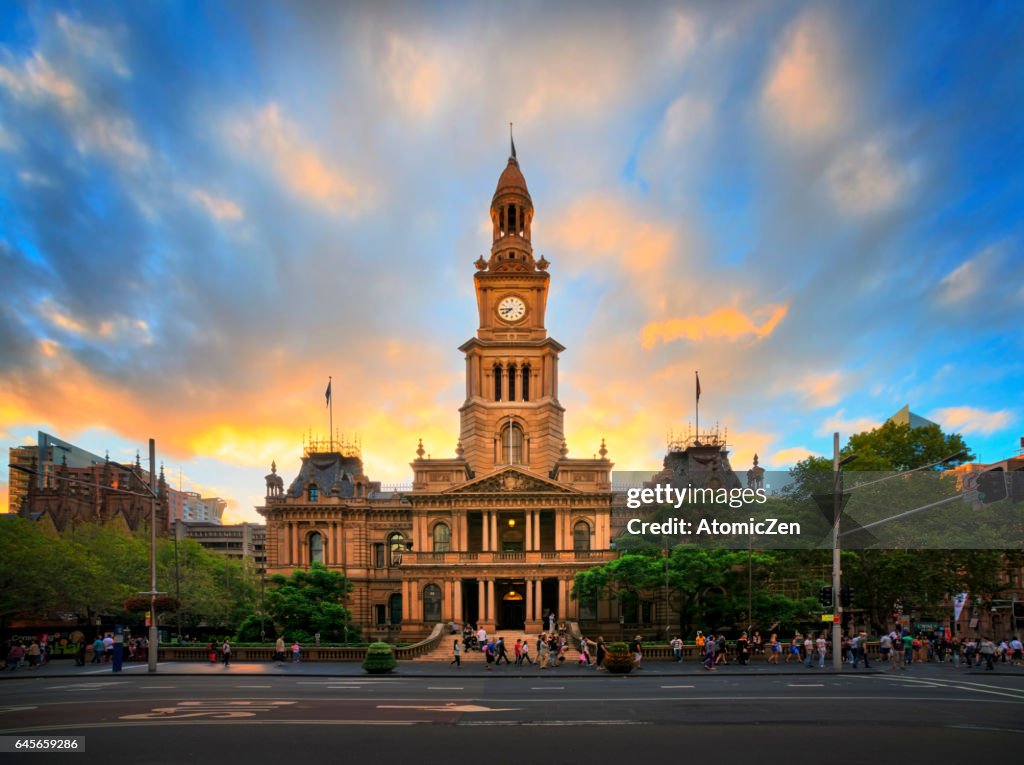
(837, 498)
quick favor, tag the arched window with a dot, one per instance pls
(497, 382)
(316, 548)
(581, 536)
(431, 603)
(511, 382)
(396, 546)
(524, 387)
(395, 608)
(512, 445)
(313, 493)
(442, 538)
(512, 219)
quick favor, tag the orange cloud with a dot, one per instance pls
(269, 135)
(724, 323)
(805, 93)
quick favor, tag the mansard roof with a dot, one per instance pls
(334, 474)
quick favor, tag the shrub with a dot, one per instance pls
(380, 659)
(618, 660)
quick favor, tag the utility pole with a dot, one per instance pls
(837, 609)
(153, 633)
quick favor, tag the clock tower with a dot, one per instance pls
(511, 415)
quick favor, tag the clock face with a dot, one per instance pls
(511, 308)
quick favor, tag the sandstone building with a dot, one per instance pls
(494, 534)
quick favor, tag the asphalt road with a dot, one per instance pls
(876, 718)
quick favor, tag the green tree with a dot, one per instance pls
(308, 602)
(30, 569)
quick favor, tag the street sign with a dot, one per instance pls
(826, 617)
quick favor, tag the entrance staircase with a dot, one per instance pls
(443, 651)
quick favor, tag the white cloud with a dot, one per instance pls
(94, 127)
(94, 43)
(971, 419)
(865, 180)
(219, 207)
(685, 117)
(846, 426)
(964, 281)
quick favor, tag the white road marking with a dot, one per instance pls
(253, 686)
(445, 688)
(449, 708)
(677, 686)
(164, 687)
(806, 685)
(549, 688)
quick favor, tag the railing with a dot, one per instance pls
(424, 646)
(492, 556)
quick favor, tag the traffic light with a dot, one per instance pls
(1017, 485)
(826, 597)
(846, 596)
(991, 486)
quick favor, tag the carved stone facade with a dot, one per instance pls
(494, 535)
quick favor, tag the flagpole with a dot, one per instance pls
(696, 375)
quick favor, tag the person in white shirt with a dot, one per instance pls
(481, 638)
(822, 646)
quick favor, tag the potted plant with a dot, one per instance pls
(618, 660)
(380, 659)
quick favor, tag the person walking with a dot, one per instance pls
(584, 658)
(489, 652)
(822, 646)
(862, 650)
(987, 651)
(296, 652)
(709, 655)
(742, 650)
(526, 652)
(677, 648)
(279, 648)
(637, 649)
(774, 649)
(599, 654)
(456, 654)
(225, 652)
(542, 650)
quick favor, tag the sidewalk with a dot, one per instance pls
(64, 669)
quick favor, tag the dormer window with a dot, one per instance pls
(313, 493)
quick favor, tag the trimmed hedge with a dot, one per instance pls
(380, 659)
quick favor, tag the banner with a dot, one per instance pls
(958, 606)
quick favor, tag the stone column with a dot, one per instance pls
(457, 604)
(562, 600)
(416, 604)
(491, 609)
(485, 529)
(529, 599)
(529, 534)
(296, 546)
(406, 602)
(494, 531)
(481, 609)
(558, 530)
(536, 530)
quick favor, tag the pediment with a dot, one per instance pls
(509, 480)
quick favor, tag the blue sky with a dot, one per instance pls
(208, 208)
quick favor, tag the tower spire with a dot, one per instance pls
(512, 142)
